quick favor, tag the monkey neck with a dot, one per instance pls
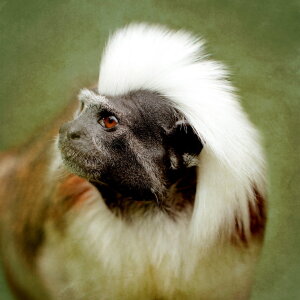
(178, 197)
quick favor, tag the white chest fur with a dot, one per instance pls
(101, 257)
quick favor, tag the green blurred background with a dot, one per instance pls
(50, 49)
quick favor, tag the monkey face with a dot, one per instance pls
(135, 143)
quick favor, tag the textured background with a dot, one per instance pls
(49, 49)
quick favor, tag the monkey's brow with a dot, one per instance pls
(90, 97)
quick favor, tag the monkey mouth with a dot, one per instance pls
(79, 163)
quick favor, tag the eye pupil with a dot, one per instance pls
(109, 122)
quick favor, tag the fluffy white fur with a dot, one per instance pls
(174, 64)
(101, 258)
(156, 258)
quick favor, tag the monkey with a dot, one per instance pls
(153, 189)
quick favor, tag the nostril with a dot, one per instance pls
(74, 135)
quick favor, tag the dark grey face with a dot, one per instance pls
(137, 144)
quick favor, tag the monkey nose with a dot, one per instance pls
(73, 135)
(69, 131)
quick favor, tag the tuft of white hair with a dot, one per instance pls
(173, 63)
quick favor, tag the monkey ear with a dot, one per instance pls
(185, 145)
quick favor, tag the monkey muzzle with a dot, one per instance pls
(77, 149)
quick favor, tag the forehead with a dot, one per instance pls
(91, 97)
(142, 104)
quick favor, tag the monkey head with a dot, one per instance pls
(138, 144)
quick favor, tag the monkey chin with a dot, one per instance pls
(81, 168)
(78, 162)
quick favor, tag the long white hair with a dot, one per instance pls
(231, 164)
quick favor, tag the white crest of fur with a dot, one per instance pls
(173, 63)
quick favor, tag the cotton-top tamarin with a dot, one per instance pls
(155, 190)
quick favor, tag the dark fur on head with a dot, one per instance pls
(141, 158)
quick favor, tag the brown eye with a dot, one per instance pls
(81, 106)
(109, 122)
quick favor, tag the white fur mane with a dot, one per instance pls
(173, 63)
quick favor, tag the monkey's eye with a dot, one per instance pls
(81, 106)
(108, 122)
